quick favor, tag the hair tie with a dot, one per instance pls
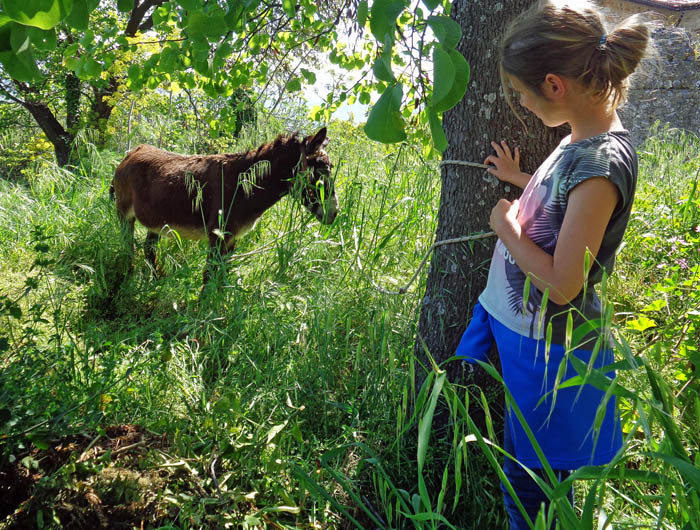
(602, 41)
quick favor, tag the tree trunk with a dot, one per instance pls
(54, 131)
(102, 107)
(458, 273)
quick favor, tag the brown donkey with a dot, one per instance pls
(221, 197)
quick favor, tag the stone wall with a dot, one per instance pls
(666, 87)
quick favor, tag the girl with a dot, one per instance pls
(565, 68)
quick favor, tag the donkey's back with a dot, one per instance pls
(160, 188)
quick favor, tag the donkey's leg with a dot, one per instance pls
(218, 249)
(127, 234)
(150, 246)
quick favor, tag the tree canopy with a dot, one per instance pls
(406, 53)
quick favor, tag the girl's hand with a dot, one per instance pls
(507, 165)
(504, 218)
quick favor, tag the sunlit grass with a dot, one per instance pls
(294, 365)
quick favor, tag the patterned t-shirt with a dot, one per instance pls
(541, 214)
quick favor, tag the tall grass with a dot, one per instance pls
(286, 388)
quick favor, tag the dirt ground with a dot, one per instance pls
(91, 482)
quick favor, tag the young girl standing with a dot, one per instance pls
(564, 67)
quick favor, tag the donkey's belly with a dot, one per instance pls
(185, 232)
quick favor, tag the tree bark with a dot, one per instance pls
(54, 131)
(458, 273)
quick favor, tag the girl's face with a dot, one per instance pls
(547, 111)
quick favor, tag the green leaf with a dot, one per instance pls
(443, 74)
(79, 16)
(39, 441)
(309, 76)
(640, 324)
(289, 8)
(72, 63)
(383, 16)
(6, 25)
(447, 31)
(203, 27)
(459, 86)
(89, 69)
(44, 14)
(135, 76)
(71, 50)
(233, 15)
(294, 85)
(19, 39)
(431, 4)
(16, 55)
(44, 40)
(168, 60)
(384, 123)
(274, 431)
(439, 138)
(125, 5)
(362, 11)
(382, 67)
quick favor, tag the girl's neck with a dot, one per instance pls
(592, 121)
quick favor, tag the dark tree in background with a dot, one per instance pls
(458, 272)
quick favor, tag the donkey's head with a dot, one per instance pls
(316, 188)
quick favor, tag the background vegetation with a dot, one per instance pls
(282, 399)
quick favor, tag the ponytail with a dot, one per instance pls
(569, 39)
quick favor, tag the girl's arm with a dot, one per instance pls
(588, 212)
(507, 165)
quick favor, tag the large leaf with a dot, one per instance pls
(362, 11)
(202, 26)
(89, 69)
(447, 31)
(79, 17)
(5, 33)
(383, 18)
(169, 60)
(385, 123)
(382, 66)
(16, 52)
(439, 138)
(233, 15)
(44, 40)
(289, 8)
(459, 86)
(431, 4)
(21, 67)
(443, 74)
(44, 14)
(19, 39)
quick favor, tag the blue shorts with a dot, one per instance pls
(564, 422)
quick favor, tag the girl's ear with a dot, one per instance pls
(554, 87)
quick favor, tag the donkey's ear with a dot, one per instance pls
(314, 142)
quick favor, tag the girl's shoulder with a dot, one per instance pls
(611, 155)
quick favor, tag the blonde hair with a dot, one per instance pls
(568, 38)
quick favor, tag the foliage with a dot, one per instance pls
(283, 394)
(222, 48)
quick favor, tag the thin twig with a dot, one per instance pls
(259, 250)
(404, 289)
(463, 163)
